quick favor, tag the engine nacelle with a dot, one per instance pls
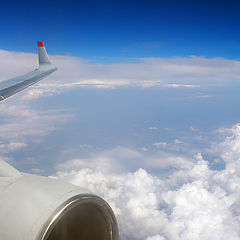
(39, 208)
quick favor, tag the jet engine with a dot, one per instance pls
(40, 208)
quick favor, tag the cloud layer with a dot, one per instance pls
(178, 72)
(191, 201)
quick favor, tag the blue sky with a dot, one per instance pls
(143, 110)
(124, 28)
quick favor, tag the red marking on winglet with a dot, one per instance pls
(40, 44)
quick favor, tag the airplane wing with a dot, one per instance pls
(17, 84)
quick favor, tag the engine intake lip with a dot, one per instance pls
(81, 200)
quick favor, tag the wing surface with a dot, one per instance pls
(17, 84)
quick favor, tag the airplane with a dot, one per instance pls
(17, 84)
(34, 207)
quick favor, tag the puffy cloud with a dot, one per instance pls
(192, 201)
(229, 149)
(199, 213)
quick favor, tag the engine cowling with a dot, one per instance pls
(39, 208)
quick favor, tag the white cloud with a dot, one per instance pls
(160, 144)
(144, 149)
(24, 121)
(22, 125)
(37, 93)
(199, 213)
(191, 202)
(37, 171)
(193, 129)
(157, 237)
(176, 141)
(230, 147)
(176, 145)
(12, 146)
(188, 72)
(174, 85)
(15, 63)
(178, 72)
(85, 145)
(122, 159)
(153, 128)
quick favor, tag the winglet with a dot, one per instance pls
(42, 54)
(40, 44)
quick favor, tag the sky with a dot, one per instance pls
(143, 110)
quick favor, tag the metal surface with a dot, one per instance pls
(33, 207)
(17, 84)
(6, 170)
(106, 220)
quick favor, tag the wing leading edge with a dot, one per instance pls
(17, 84)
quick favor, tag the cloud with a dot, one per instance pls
(12, 146)
(197, 213)
(22, 125)
(123, 159)
(178, 72)
(176, 145)
(193, 129)
(157, 237)
(144, 149)
(37, 171)
(191, 72)
(153, 128)
(192, 201)
(37, 93)
(22, 120)
(160, 144)
(15, 63)
(176, 141)
(174, 85)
